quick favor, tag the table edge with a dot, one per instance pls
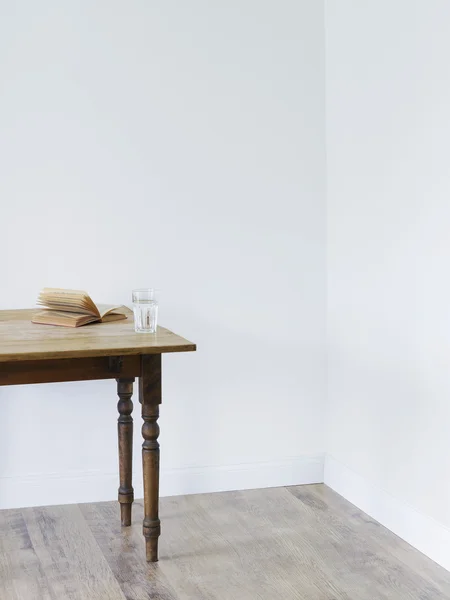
(49, 355)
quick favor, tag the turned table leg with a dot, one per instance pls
(125, 431)
(150, 398)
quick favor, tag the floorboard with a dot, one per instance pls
(297, 543)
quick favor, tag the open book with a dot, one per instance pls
(73, 308)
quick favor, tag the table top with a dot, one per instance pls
(20, 339)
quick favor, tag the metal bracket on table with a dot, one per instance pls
(115, 364)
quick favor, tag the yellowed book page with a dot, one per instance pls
(113, 317)
(67, 299)
(67, 308)
(106, 309)
(82, 302)
(64, 319)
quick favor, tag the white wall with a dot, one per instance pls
(388, 148)
(177, 144)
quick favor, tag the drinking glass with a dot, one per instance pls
(145, 309)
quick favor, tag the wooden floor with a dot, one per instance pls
(304, 543)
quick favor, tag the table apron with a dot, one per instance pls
(69, 369)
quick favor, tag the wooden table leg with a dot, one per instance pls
(150, 398)
(125, 431)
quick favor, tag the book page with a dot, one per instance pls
(106, 309)
(76, 301)
(113, 316)
(79, 303)
(62, 318)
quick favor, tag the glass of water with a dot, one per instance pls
(145, 309)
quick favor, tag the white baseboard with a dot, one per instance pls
(422, 532)
(94, 486)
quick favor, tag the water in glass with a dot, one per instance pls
(145, 316)
(145, 308)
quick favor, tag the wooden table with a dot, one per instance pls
(31, 353)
